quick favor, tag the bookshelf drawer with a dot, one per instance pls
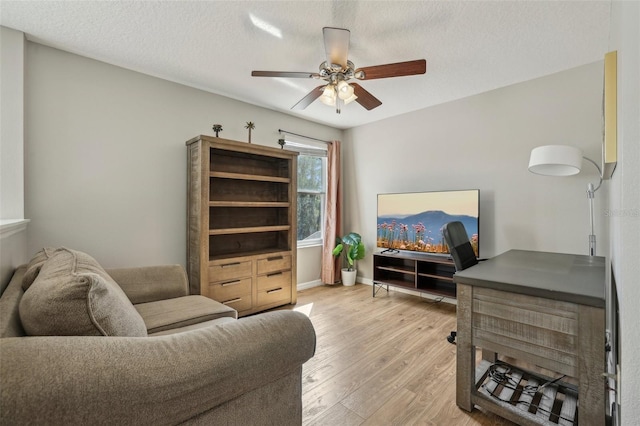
(241, 303)
(280, 294)
(274, 280)
(225, 271)
(274, 263)
(226, 290)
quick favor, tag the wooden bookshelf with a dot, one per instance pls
(242, 223)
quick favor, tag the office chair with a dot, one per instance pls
(456, 237)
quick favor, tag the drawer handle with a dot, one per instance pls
(228, 302)
(275, 290)
(273, 274)
(271, 259)
(228, 283)
(226, 265)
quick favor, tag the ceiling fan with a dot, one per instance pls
(337, 71)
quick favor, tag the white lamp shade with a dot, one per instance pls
(328, 96)
(555, 160)
(350, 99)
(345, 90)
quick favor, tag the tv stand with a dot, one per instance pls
(423, 273)
(390, 250)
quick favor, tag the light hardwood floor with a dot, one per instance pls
(381, 361)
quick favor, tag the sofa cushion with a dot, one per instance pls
(73, 296)
(34, 266)
(150, 283)
(181, 311)
(197, 326)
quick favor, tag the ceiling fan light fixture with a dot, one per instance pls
(328, 96)
(345, 90)
(350, 99)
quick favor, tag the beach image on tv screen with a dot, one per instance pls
(414, 221)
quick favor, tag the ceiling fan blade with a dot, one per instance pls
(336, 45)
(365, 98)
(398, 69)
(287, 74)
(307, 100)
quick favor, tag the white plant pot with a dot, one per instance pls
(349, 277)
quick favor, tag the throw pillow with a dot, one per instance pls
(34, 266)
(73, 296)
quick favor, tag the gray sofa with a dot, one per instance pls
(82, 345)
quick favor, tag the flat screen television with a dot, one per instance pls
(413, 221)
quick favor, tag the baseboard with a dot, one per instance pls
(367, 281)
(318, 283)
(309, 284)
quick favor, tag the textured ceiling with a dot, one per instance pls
(470, 47)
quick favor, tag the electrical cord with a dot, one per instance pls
(504, 378)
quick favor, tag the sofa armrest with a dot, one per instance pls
(148, 380)
(151, 283)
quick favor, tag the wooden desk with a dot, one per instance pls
(546, 309)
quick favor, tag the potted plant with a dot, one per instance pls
(351, 248)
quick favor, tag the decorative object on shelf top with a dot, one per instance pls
(250, 125)
(564, 160)
(217, 128)
(351, 247)
(281, 142)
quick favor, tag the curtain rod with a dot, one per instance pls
(303, 136)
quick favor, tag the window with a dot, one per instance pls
(312, 188)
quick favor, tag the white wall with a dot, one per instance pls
(13, 237)
(12, 124)
(484, 142)
(106, 157)
(625, 203)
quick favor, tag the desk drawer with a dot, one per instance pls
(274, 280)
(275, 295)
(227, 290)
(274, 263)
(541, 331)
(225, 271)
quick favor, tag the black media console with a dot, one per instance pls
(419, 272)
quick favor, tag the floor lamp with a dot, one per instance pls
(563, 160)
